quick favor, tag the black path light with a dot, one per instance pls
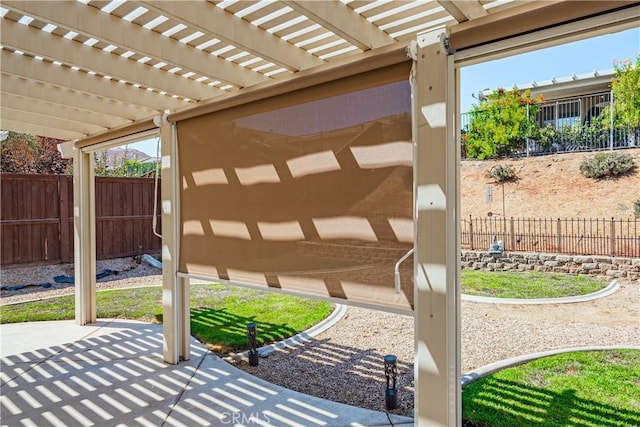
(391, 373)
(253, 344)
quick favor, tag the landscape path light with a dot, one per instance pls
(391, 374)
(253, 344)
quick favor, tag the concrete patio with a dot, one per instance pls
(111, 373)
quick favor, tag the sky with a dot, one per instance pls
(585, 56)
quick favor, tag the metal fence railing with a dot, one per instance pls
(575, 236)
(582, 123)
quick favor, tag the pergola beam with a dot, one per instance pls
(340, 19)
(237, 32)
(463, 10)
(92, 22)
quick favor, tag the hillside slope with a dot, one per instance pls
(549, 187)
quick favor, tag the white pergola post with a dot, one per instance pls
(84, 220)
(175, 291)
(437, 257)
(184, 315)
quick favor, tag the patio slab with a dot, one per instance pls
(111, 373)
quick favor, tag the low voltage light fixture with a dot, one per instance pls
(391, 374)
(253, 343)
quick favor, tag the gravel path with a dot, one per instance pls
(130, 274)
(344, 363)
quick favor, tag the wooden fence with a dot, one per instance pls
(576, 236)
(36, 224)
(36, 218)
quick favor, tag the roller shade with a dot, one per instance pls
(309, 191)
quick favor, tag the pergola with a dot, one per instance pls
(102, 73)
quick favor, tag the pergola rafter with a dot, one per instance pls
(92, 22)
(90, 119)
(463, 10)
(344, 22)
(238, 32)
(12, 85)
(63, 123)
(47, 72)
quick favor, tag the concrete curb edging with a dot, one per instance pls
(491, 368)
(608, 290)
(300, 339)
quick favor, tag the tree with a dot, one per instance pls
(26, 153)
(626, 94)
(501, 124)
(19, 153)
(49, 159)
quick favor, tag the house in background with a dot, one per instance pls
(575, 114)
(570, 100)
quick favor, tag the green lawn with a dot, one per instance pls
(589, 389)
(530, 284)
(219, 313)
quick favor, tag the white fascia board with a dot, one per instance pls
(66, 149)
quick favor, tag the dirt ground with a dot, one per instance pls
(549, 187)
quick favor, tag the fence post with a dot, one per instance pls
(559, 232)
(65, 236)
(613, 237)
(471, 232)
(512, 240)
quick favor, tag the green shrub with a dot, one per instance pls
(502, 173)
(500, 125)
(636, 208)
(604, 165)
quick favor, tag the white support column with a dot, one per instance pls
(172, 303)
(437, 255)
(84, 221)
(185, 319)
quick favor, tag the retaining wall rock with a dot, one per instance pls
(616, 267)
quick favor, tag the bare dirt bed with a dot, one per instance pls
(549, 187)
(129, 274)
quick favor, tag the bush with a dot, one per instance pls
(636, 208)
(502, 173)
(604, 165)
(501, 124)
